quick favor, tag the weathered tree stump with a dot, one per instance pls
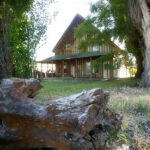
(78, 122)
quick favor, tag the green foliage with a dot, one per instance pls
(119, 137)
(26, 24)
(141, 107)
(38, 18)
(90, 35)
(16, 7)
(14, 24)
(109, 21)
(21, 53)
(132, 71)
(115, 59)
(19, 7)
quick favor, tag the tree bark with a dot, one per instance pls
(140, 69)
(136, 47)
(140, 15)
(139, 48)
(5, 61)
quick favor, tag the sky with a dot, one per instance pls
(67, 9)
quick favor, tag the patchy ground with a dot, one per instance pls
(132, 102)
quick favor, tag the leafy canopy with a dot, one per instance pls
(26, 24)
(109, 21)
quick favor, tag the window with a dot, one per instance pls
(68, 48)
(65, 66)
(95, 48)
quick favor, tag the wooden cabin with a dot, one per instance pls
(71, 62)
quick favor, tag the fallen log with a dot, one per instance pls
(78, 122)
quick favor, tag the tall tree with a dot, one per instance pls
(140, 17)
(111, 19)
(24, 26)
(8, 9)
(25, 33)
(19, 47)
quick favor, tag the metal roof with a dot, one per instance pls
(72, 56)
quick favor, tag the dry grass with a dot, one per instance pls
(130, 100)
(134, 104)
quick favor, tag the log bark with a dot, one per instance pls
(78, 122)
(140, 15)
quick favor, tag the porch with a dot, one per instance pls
(76, 66)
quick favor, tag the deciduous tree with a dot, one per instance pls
(8, 10)
(23, 26)
(110, 17)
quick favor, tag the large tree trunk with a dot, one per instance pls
(5, 61)
(140, 16)
(139, 46)
(136, 47)
(140, 69)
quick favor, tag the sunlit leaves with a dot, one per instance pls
(20, 7)
(115, 59)
(21, 54)
(111, 19)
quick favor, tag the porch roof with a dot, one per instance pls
(71, 56)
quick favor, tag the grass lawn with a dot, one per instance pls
(56, 89)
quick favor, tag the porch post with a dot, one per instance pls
(102, 70)
(62, 68)
(41, 72)
(111, 72)
(47, 70)
(81, 68)
(84, 68)
(47, 67)
(107, 69)
(90, 67)
(76, 70)
(52, 69)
